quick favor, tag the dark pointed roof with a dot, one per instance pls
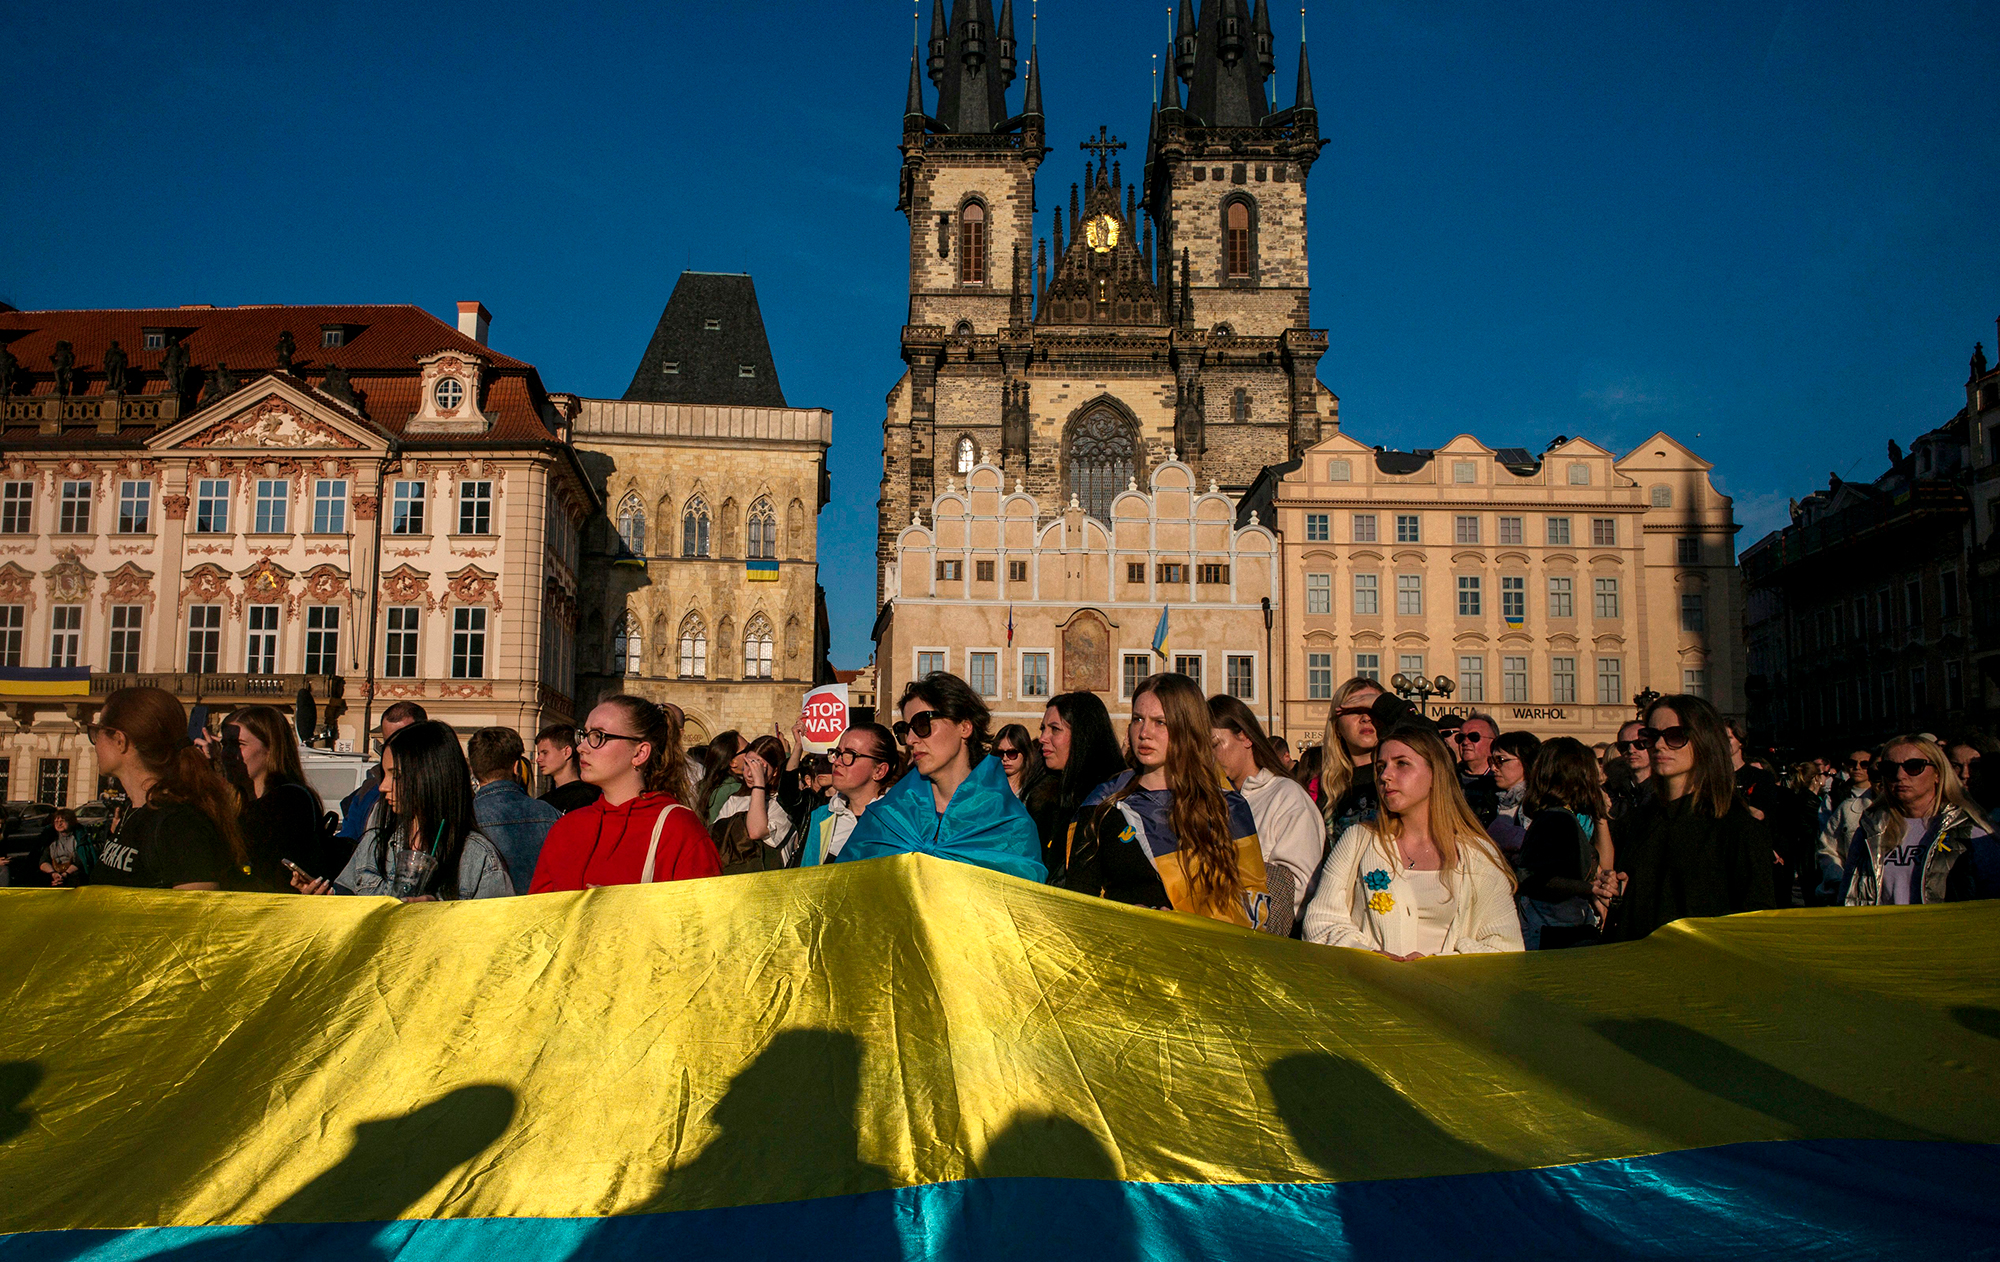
(708, 363)
(1305, 97)
(1225, 81)
(972, 87)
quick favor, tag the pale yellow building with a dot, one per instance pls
(1551, 589)
(234, 504)
(1023, 604)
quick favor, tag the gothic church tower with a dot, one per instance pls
(1165, 319)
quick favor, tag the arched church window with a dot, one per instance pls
(763, 543)
(694, 528)
(757, 649)
(1101, 461)
(972, 244)
(632, 524)
(1236, 231)
(694, 648)
(628, 648)
(963, 461)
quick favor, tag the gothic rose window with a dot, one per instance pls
(972, 244)
(1101, 462)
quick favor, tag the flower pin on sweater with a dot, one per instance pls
(1381, 903)
(1377, 880)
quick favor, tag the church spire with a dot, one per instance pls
(1305, 97)
(939, 42)
(1225, 64)
(973, 70)
(1032, 102)
(914, 105)
(1006, 45)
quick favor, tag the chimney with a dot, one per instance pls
(473, 320)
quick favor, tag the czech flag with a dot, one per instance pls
(909, 1058)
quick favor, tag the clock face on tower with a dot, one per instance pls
(1102, 233)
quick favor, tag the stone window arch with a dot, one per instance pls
(972, 243)
(1100, 457)
(632, 524)
(757, 643)
(964, 456)
(694, 528)
(694, 648)
(763, 531)
(628, 648)
(1239, 240)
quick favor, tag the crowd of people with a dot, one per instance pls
(1398, 833)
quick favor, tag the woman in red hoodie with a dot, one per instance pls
(640, 829)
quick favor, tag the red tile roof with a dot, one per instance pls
(382, 345)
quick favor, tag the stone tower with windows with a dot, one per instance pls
(1156, 317)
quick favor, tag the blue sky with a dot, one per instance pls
(1767, 228)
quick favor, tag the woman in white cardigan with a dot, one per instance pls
(1423, 878)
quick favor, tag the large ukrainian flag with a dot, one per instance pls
(908, 1058)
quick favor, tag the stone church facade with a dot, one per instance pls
(1160, 319)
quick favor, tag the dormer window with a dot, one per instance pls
(671, 367)
(746, 370)
(332, 335)
(156, 339)
(712, 326)
(449, 393)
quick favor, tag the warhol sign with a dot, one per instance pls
(825, 717)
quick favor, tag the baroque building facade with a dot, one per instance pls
(1550, 589)
(703, 570)
(1023, 603)
(370, 504)
(1161, 319)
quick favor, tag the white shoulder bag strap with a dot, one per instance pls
(653, 846)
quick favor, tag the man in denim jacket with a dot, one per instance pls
(515, 823)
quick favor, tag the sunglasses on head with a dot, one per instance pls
(920, 724)
(1911, 767)
(1675, 737)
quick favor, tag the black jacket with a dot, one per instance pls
(1681, 863)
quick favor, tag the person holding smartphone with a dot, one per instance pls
(1692, 847)
(427, 788)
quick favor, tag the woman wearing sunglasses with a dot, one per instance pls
(865, 765)
(640, 829)
(958, 805)
(1173, 833)
(1513, 754)
(1422, 878)
(1691, 847)
(1923, 840)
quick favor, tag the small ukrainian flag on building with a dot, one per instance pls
(761, 571)
(1160, 634)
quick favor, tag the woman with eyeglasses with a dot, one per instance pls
(640, 829)
(1019, 757)
(1924, 840)
(958, 805)
(1080, 750)
(1422, 878)
(1691, 847)
(1172, 833)
(1290, 831)
(1513, 754)
(180, 832)
(427, 790)
(865, 765)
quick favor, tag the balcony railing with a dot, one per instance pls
(190, 686)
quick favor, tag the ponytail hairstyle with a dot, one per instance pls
(1199, 813)
(666, 767)
(434, 809)
(154, 723)
(887, 752)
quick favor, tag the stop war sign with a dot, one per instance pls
(825, 717)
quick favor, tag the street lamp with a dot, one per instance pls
(1270, 698)
(1645, 699)
(1408, 686)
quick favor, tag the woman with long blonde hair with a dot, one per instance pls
(1172, 833)
(1422, 878)
(1347, 756)
(1923, 840)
